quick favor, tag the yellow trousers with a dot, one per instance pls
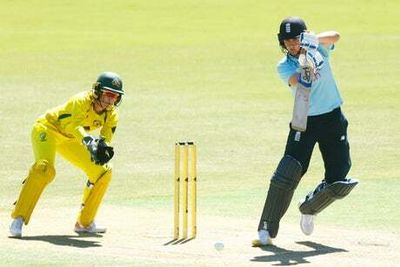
(46, 142)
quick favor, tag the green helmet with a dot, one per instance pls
(109, 81)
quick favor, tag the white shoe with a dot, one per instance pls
(91, 229)
(307, 223)
(263, 239)
(16, 227)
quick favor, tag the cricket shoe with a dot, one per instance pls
(263, 239)
(16, 227)
(307, 223)
(91, 229)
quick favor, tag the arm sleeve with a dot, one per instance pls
(285, 71)
(326, 50)
(109, 127)
(73, 124)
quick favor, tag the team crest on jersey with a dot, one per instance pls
(43, 137)
(287, 27)
(97, 123)
(116, 82)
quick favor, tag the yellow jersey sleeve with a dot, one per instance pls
(110, 125)
(69, 118)
(77, 117)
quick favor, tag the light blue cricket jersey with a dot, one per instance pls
(325, 95)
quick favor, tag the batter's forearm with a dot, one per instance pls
(107, 133)
(328, 37)
(293, 80)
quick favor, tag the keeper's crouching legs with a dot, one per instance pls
(92, 197)
(40, 175)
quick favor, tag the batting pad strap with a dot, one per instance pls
(92, 196)
(40, 175)
(325, 194)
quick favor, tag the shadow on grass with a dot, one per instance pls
(285, 257)
(178, 241)
(65, 240)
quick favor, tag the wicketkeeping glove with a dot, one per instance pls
(100, 152)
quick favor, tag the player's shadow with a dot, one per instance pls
(66, 240)
(284, 257)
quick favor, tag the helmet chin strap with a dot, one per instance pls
(294, 55)
(100, 103)
(298, 54)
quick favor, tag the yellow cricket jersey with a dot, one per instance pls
(77, 117)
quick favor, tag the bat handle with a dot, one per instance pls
(302, 57)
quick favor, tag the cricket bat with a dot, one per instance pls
(302, 96)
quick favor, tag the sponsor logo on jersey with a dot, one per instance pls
(97, 123)
(43, 137)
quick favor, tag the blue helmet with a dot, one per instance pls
(290, 28)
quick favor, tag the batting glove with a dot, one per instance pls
(313, 61)
(305, 77)
(309, 41)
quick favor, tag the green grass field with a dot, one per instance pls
(202, 71)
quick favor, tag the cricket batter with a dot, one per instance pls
(66, 130)
(306, 67)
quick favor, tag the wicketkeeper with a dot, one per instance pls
(66, 130)
(317, 118)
